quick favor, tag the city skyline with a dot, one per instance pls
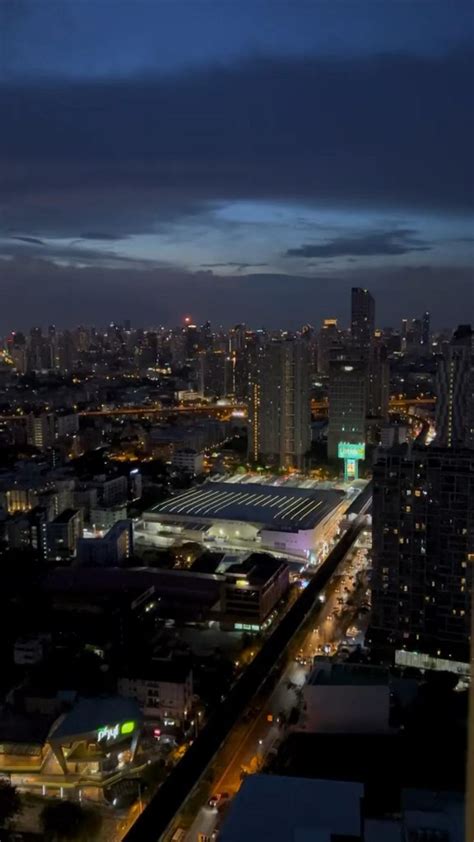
(264, 164)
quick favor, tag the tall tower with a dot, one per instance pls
(426, 331)
(280, 413)
(455, 390)
(347, 404)
(362, 319)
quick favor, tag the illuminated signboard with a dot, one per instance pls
(348, 450)
(112, 732)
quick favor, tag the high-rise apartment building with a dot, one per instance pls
(347, 404)
(40, 430)
(280, 413)
(215, 375)
(329, 345)
(455, 391)
(378, 381)
(362, 318)
(423, 543)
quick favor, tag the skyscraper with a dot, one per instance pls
(279, 412)
(347, 404)
(362, 318)
(423, 540)
(215, 373)
(329, 345)
(426, 331)
(455, 391)
(378, 385)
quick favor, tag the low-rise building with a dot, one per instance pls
(30, 650)
(289, 521)
(63, 534)
(346, 698)
(103, 518)
(28, 531)
(111, 550)
(163, 689)
(187, 459)
(252, 589)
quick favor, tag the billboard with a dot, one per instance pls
(350, 450)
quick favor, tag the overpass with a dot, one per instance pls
(221, 412)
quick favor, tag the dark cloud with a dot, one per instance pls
(378, 243)
(233, 264)
(32, 240)
(130, 156)
(97, 235)
(72, 253)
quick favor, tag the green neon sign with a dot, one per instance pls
(108, 733)
(349, 450)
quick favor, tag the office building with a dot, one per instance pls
(362, 318)
(112, 550)
(252, 589)
(279, 413)
(347, 404)
(455, 392)
(423, 540)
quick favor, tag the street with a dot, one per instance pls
(254, 739)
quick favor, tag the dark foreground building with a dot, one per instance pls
(423, 546)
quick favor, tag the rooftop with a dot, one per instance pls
(90, 715)
(257, 568)
(172, 670)
(282, 809)
(334, 674)
(276, 507)
(65, 516)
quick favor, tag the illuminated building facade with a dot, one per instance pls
(455, 390)
(280, 415)
(347, 404)
(423, 540)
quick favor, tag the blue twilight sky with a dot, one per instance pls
(244, 161)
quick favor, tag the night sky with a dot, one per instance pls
(240, 161)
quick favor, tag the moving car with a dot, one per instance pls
(216, 799)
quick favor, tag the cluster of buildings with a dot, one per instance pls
(60, 516)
